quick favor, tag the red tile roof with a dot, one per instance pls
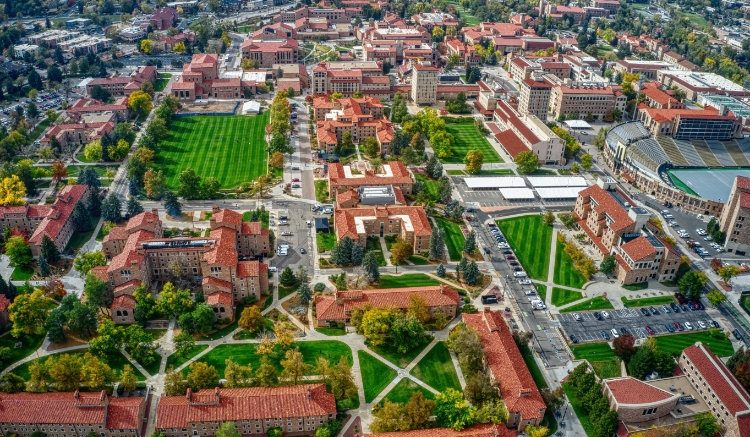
(345, 223)
(143, 219)
(126, 287)
(245, 404)
(511, 142)
(638, 248)
(124, 301)
(70, 408)
(227, 216)
(220, 298)
(483, 430)
(223, 252)
(248, 269)
(129, 257)
(117, 233)
(400, 175)
(252, 228)
(100, 272)
(743, 182)
(516, 384)
(607, 204)
(629, 390)
(63, 208)
(719, 378)
(434, 296)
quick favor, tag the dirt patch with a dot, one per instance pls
(185, 217)
(206, 215)
(70, 340)
(207, 107)
(277, 317)
(291, 305)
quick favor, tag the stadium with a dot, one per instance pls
(696, 174)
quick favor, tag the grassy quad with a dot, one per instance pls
(562, 296)
(647, 301)
(521, 232)
(467, 138)
(29, 344)
(375, 375)
(245, 354)
(402, 392)
(593, 304)
(408, 280)
(436, 369)
(565, 273)
(431, 185)
(454, 238)
(602, 358)
(177, 360)
(230, 148)
(720, 344)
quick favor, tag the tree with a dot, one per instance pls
(401, 251)
(549, 218)
(28, 312)
(586, 161)
(203, 317)
(481, 389)
(202, 376)
(691, 284)
(554, 399)
(81, 319)
(190, 184)
(81, 218)
(183, 343)
(716, 297)
(406, 333)
(470, 243)
(172, 205)
(174, 384)
(35, 81)
(707, 425)
(140, 103)
(527, 162)
(237, 375)
(94, 204)
(371, 267)
(293, 366)
(148, 88)
(251, 319)
(536, 431)
(109, 341)
(101, 94)
(437, 245)
(58, 170)
(607, 265)
(229, 429)
(89, 176)
(12, 383)
(12, 191)
(128, 379)
(464, 341)
(371, 147)
(444, 193)
(134, 207)
(474, 159)
(44, 269)
(112, 208)
(96, 374)
(727, 272)
(418, 308)
(93, 151)
(118, 152)
(88, 260)
(155, 184)
(452, 410)
(624, 346)
(266, 375)
(287, 277)
(67, 373)
(305, 294)
(18, 250)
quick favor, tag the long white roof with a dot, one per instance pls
(495, 182)
(557, 181)
(559, 192)
(517, 193)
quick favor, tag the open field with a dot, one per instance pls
(436, 369)
(468, 137)
(375, 375)
(29, 344)
(321, 190)
(230, 148)
(402, 392)
(408, 280)
(541, 289)
(454, 238)
(399, 359)
(562, 296)
(178, 360)
(602, 358)
(533, 257)
(719, 345)
(596, 303)
(466, 16)
(565, 273)
(431, 185)
(647, 301)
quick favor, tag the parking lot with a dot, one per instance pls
(589, 328)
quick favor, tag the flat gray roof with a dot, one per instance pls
(712, 184)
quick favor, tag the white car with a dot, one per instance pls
(525, 281)
(286, 233)
(701, 324)
(605, 314)
(688, 326)
(520, 275)
(272, 269)
(503, 246)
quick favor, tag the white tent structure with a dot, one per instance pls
(577, 124)
(556, 181)
(251, 108)
(552, 193)
(494, 183)
(517, 193)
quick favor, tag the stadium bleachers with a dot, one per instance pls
(736, 153)
(721, 154)
(672, 151)
(744, 144)
(705, 153)
(688, 151)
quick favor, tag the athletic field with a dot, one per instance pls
(468, 137)
(230, 148)
(713, 183)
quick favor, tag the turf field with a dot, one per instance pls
(229, 148)
(468, 137)
(565, 273)
(520, 231)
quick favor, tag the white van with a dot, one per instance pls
(615, 334)
(520, 274)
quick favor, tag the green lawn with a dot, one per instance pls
(375, 375)
(578, 408)
(325, 241)
(160, 84)
(39, 129)
(286, 291)
(267, 303)
(263, 215)
(78, 239)
(496, 172)
(321, 190)
(407, 280)
(454, 238)
(100, 170)
(467, 137)
(22, 273)
(607, 369)
(245, 354)
(401, 360)
(402, 392)
(696, 20)
(565, 272)
(636, 287)
(536, 372)
(720, 345)
(223, 332)
(178, 360)
(561, 296)
(152, 368)
(541, 289)
(431, 185)
(456, 172)
(230, 148)
(596, 303)
(469, 19)
(520, 232)
(436, 369)
(647, 301)
(29, 345)
(419, 260)
(115, 361)
(331, 332)
(593, 352)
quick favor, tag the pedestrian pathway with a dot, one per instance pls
(386, 252)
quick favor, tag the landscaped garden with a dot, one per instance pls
(520, 232)
(230, 148)
(436, 369)
(325, 241)
(565, 273)
(467, 137)
(375, 375)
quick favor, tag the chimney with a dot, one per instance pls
(215, 209)
(155, 211)
(77, 394)
(487, 309)
(187, 394)
(217, 394)
(309, 394)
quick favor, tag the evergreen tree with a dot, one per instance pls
(371, 267)
(470, 243)
(112, 209)
(437, 244)
(305, 294)
(172, 205)
(44, 270)
(4, 287)
(461, 267)
(287, 277)
(89, 176)
(94, 205)
(12, 291)
(81, 218)
(341, 254)
(471, 273)
(431, 163)
(441, 271)
(444, 190)
(134, 207)
(133, 186)
(437, 171)
(254, 216)
(49, 250)
(357, 254)
(106, 141)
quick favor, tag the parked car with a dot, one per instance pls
(645, 312)
(654, 311)
(525, 281)
(649, 330)
(674, 307)
(577, 317)
(510, 257)
(669, 327)
(688, 326)
(677, 326)
(605, 335)
(574, 339)
(605, 314)
(737, 334)
(665, 309)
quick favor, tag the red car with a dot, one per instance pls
(649, 330)
(510, 257)
(295, 179)
(677, 326)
